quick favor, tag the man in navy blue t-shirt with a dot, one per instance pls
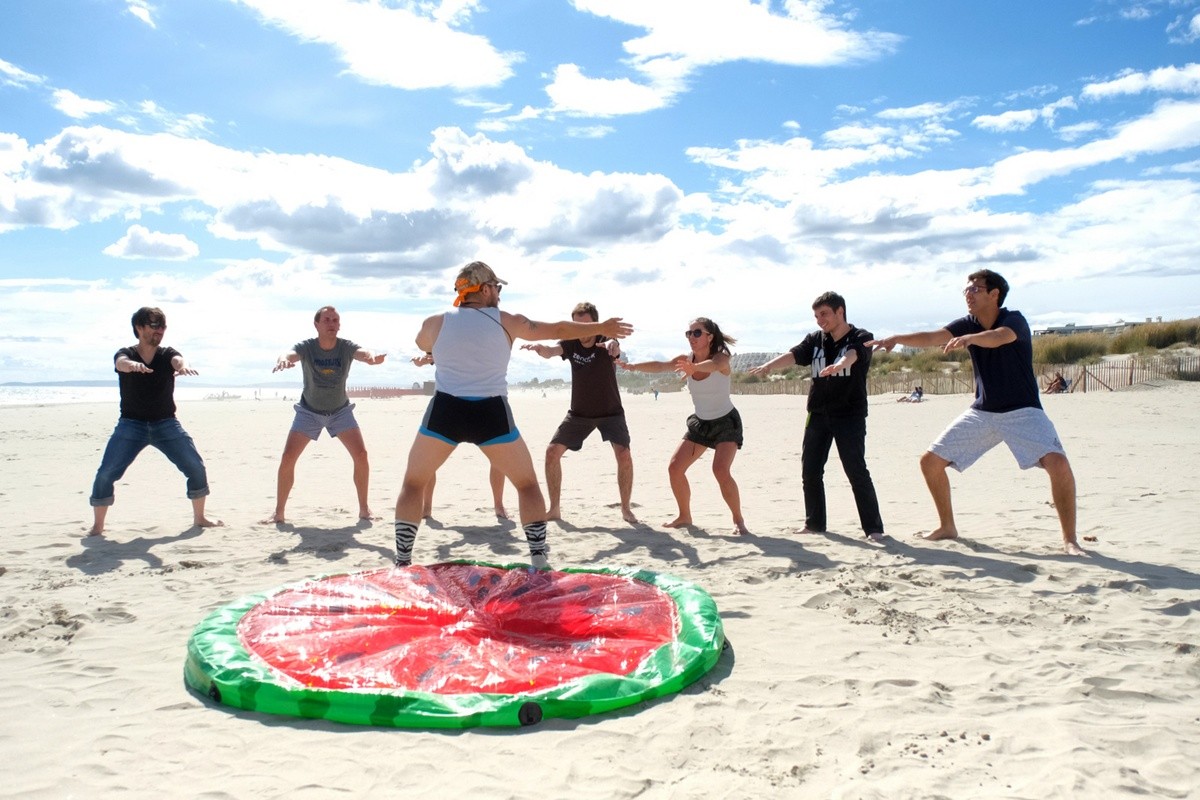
(1007, 405)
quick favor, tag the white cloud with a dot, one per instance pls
(1021, 119)
(1178, 80)
(142, 10)
(78, 107)
(921, 111)
(1008, 121)
(574, 93)
(406, 47)
(12, 75)
(140, 242)
(683, 37)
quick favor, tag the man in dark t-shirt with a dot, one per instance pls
(595, 405)
(146, 377)
(837, 412)
(1007, 406)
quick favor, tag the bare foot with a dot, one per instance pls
(274, 519)
(1073, 549)
(628, 515)
(502, 512)
(877, 538)
(741, 529)
(678, 522)
(427, 513)
(807, 529)
(940, 533)
(205, 522)
(554, 512)
(95, 531)
(365, 513)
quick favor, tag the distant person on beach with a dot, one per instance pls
(471, 346)
(1007, 405)
(918, 394)
(324, 406)
(146, 377)
(1057, 384)
(495, 476)
(837, 412)
(595, 405)
(715, 425)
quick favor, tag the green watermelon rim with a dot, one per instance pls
(220, 668)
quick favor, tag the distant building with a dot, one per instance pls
(1071, 328)
(742, 362)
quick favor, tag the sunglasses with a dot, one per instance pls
(695, 333)
(497, 286)
(156, 326)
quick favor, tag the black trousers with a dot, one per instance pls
(850, 434)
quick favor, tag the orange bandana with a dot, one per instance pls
(463, 287)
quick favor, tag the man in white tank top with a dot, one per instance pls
(470, 348)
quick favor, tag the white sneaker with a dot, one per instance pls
(540, 561)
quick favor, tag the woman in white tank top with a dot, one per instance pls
(715, 424)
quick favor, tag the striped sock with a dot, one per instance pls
(406, 534)
(535, 534)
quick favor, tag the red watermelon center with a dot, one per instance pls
(459, 629)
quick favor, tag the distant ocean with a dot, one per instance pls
(54, 395)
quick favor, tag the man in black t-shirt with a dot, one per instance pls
(146, 376)
(837, 412)
(595, 405)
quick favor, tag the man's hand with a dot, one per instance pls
(616, 328)
(882, 344)
(542, 350)
(422, 360)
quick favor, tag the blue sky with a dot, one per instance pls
(240, 163)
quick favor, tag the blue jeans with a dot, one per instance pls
(130, 437)
(850, 433)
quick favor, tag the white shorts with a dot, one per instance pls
(1028, 432)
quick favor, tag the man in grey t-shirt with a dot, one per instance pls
(324, 405)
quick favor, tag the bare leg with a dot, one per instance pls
(98, 515)
(933, 467)
(513, 461)
(198, 518)
(353, 440)
(554, 454)
(427, 499)
(496, 481)
(722, 469)
(292, 448)
(685, 455)
(624, 481)
(1062, 490)
(426, 455)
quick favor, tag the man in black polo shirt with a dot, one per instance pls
(146, 376)
(837, 412)
(595, 405)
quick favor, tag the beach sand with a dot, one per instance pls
(993, 666)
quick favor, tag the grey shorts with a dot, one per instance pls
(574, 430)
(1028, 432)
(311, 423)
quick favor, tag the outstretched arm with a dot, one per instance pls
(521, 327)
(126, 364)
(181, 367)
(937, 338)
(650, 366)
(787, 359)
(717, 363)
(997, 337)
(428, 334)
(369, 356)
(544, 350)
(286, 361)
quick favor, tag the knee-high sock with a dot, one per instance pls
(406, 534)
(535, 534)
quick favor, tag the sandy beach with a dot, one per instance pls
(993, 666)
